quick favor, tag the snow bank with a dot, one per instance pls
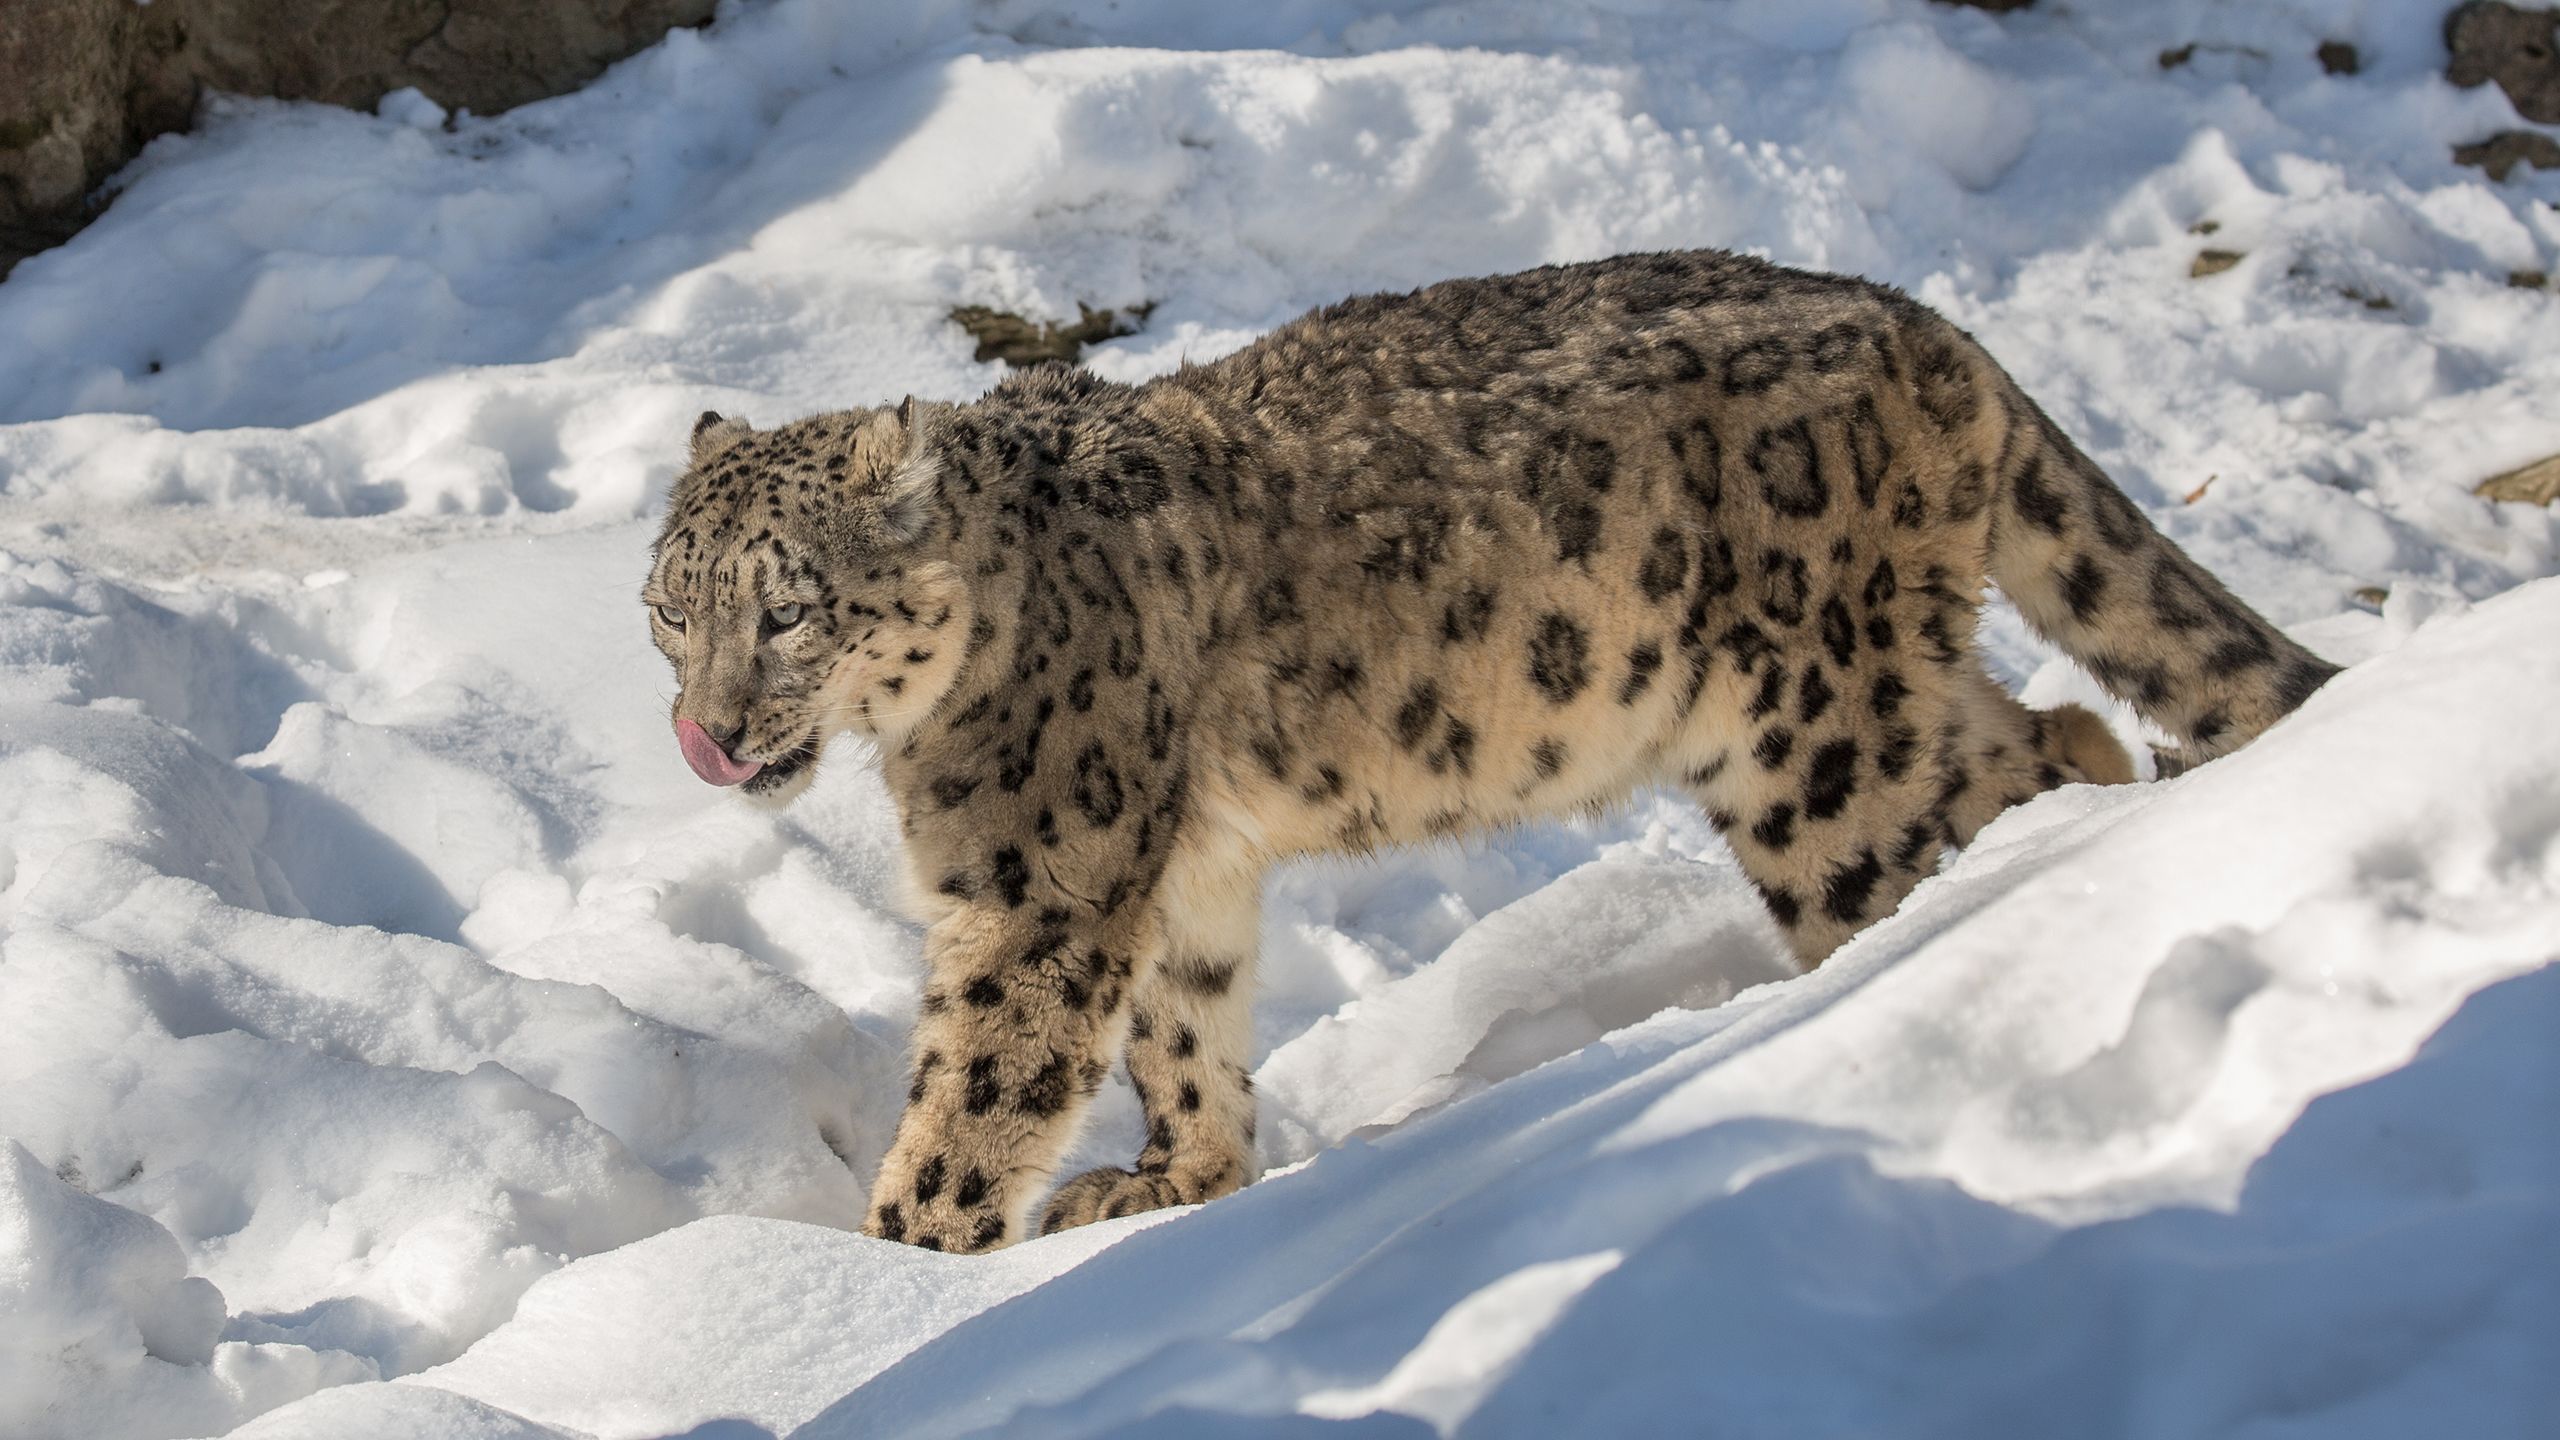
(402, 1043)
(92, 1288)
(103, 1331)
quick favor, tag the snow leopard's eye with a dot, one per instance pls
(782, 617)
(672, 617)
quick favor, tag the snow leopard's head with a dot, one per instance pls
(796, 591)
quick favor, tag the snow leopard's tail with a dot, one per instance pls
(2086, 568)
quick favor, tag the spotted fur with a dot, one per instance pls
(1411, 566)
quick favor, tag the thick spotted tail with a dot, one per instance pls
(2086, 568)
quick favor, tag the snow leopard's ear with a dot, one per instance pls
(712, 434)
(911, 501)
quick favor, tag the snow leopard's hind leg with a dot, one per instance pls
(2009, 754)
(1866, 753)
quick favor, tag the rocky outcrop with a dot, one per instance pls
(62, 113)
(1002, 335)
(85, 83)
(2534, 484)
(2501, 153)
(2519, 49)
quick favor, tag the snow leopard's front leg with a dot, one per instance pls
(1190, 1052)
(1024, 1010)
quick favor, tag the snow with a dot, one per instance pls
(401, 1042)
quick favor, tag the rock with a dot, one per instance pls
(62, 118)
(2534, 484)
(85, 83)
(2213, 262)
(2504, 151)
(1019, 342)
(2528, 280)
(2520, 49)
(2337, 57)
(479, 55)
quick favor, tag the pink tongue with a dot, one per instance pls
(707, 758)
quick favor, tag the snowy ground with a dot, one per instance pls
(385, 1003)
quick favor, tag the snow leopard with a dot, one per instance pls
(1409, 567)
